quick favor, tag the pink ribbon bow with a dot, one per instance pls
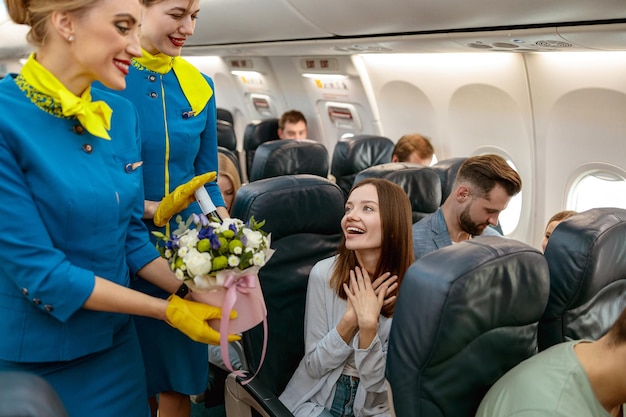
(233, 286)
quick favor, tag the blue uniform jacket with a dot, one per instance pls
(71, 209)
(177, 147)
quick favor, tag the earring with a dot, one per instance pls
(70, 38)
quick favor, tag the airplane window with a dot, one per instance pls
(597, 189)
(509, 218)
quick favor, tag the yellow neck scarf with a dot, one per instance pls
(95, 116)
(195, 87)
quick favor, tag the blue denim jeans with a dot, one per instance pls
(343, 403)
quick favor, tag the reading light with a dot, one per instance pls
(326, 76)
(246, 73)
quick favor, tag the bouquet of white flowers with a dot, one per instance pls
(197, 255)
(220, 261)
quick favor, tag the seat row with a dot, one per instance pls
(266, 156)
(465, 315)
(353, 160)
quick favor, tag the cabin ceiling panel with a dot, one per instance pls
(324, 47)
(243, 21)
(602, 37)
(367, 17)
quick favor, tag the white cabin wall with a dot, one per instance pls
(291, 84)
(468, 104)
(579, 107)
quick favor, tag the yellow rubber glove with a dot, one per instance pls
(180, 198)
(191, 318)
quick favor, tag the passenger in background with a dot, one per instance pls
(483, 188)
(72, 201)
(292, 125)
(553, 223)
(413, 148)
(228, 180)
(176, 105)
(575, 378)
(348, 315)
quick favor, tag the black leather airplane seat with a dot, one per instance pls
(256, 133)
(225, 115)
(586, 254)
(303, 214)
(447, 170)
(289, 157)
(465, 315)
(28, 395)
(421, 184)
(353, 155)
(226, 135)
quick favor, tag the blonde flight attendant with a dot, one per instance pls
(72, 202)
(177, 112)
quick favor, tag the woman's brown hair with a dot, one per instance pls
(397, 242)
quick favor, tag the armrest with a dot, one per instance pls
(240, 399)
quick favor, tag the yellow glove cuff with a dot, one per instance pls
(191, 318)
(180, 198)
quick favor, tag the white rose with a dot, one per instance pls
(189, 239)
(198, 263)
(237, 250)
(182, 252)
(168, 253)
(258, 259)
(233, 260)
(253, 238)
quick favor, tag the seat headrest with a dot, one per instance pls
(360, 152)
(226, 135)
(289, 157)
(258, 132)
(447, 170)
(586, 254)
(465, 315)
(28, 395)
(353, 155)
(421, 184)
(291, 204)
(226, 115)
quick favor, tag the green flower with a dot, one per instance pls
(223, 249)
(219, 263)
(204, 245)
(233, 245)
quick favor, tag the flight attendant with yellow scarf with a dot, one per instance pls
(177, 112)
(72, 201)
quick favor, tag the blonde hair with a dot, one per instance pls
(560, 216)
(228, 169)
(36, 14)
